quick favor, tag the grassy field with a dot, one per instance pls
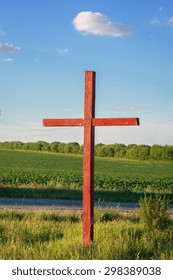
(53, 235)
(47, 175)
(56, 235)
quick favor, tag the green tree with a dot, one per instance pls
(167, 152)
(45, 147)
(132, 151)
(156, 152)
(119, 150)
(61, 147)
(54, 147)
(143, 152)
(97, 149)
(72, 148)
(81, 150)
(102, 150)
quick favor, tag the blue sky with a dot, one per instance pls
(45, 47)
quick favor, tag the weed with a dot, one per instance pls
(153, 212)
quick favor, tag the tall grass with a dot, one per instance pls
(55, 235)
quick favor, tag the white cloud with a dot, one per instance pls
(98, 24)
(170, 21)
(62, 51)
(2, 33)
(155, 21)
(6, 48)
(8, 60)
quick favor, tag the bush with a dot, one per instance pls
(109, 217)
(153, 212)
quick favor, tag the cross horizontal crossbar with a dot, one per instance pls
(95, 122)
(63, 122)
(115, 121)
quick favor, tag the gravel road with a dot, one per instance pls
(19, 203)
(51, 204)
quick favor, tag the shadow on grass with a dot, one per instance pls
(70, 194)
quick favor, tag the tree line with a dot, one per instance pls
(118, 151)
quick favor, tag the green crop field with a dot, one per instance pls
(51, 172)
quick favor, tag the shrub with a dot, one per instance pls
(110, 216)
(153, 212)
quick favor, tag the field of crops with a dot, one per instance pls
(47, 170)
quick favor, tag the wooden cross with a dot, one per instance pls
(89, 122)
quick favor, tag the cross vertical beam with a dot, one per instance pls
(88, 161)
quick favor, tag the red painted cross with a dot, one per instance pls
(89, 122)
